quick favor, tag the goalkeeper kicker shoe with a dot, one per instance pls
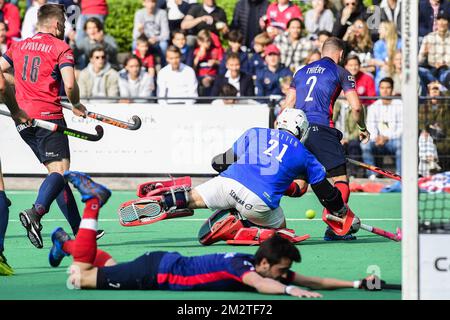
(331, 236)
(59, 236)
(87, 187)
(5, 268)
(31, 222)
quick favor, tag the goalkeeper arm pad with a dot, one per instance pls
(295, 191)
(222, 161)
(329, 196)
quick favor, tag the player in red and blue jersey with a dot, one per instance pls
(40, 64)
(268, 271)
(314, 89)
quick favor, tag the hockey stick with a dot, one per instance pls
(384, 172)
(390, 286)
(376, 284)
(64, 130)
(114, 122)
(395, 237)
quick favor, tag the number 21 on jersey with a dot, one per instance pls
(273, 144)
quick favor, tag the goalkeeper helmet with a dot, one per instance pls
(294, 121)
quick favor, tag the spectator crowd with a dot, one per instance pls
(189, 48)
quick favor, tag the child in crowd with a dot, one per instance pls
(187, 52)
(256, 62)
(235, 42)
(207, 57)
(142, 51)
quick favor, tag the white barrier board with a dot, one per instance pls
(177, 139)
(434, 266)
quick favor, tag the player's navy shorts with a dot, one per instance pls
(325, 144)
(48, 146)
(139, 274)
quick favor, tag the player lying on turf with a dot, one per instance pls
(266, 272)
(254, 174)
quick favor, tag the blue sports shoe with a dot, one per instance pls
(56, 254)
(331, 236)
(87, 187)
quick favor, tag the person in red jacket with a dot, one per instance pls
(10, 15)
(89, 9)
(207, 57)
(365, 83)
(278, 15)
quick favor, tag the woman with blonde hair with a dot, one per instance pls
(396, 72)
(384, 51)
(360, 43)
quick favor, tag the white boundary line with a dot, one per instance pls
(198, 219)
(134, 191)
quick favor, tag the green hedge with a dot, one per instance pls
(119, 23)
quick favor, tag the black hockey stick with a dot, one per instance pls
(114, 122)
(54, 127)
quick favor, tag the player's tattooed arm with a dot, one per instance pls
(73, 91)
(358, 115)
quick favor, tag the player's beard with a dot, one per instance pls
(341, 60)
(60, 31)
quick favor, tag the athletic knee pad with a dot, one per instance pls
(176, 198)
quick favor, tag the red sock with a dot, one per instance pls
(68, 246)
(101, 258)
(344, 189)
(91, 209)
(85, 245)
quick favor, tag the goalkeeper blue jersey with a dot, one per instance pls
(269, 160)
(214, 272)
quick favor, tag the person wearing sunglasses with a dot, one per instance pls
(98, 79)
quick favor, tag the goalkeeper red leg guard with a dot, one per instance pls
(344, 188)
(85, 245)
